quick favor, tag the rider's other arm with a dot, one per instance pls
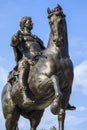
(40, 42)
(17, 55)
(16, 39)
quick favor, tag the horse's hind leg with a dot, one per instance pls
(61, 118)
(10, 111)
(11, 120)
(35, 118)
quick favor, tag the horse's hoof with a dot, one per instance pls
(54, 108)
(56, 105)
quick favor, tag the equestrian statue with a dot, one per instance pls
(42, 76)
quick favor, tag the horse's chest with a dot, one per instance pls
(64, 63)
(66, 68)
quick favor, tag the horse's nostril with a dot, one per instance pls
(54, 40)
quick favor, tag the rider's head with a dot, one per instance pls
(26, 22)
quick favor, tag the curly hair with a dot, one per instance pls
(23, 21)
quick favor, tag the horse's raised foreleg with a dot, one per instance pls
(56, 105)
(61, 118)
(45, 84)
(56, 86)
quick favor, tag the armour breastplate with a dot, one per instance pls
(29, 47)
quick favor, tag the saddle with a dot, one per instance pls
(13, 75)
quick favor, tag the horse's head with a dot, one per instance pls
(57, 24)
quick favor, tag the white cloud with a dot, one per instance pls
(23, 123)
(72, 120)
(81, 109)
(80, 78)
(48, 120)
(3, 78)
(2, 120)
(1, 114)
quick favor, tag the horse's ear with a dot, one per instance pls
(48, 11)
(59, 6)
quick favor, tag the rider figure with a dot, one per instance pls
(27, 48)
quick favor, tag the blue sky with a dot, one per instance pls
(76, 15)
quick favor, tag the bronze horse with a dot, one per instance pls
(49, 83)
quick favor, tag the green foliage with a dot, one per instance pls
(53, 128)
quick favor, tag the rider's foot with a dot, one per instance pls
(69, 107)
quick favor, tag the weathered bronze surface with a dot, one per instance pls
(42, 76)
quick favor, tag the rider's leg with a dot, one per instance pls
(66, 97)
(23, 69)
(70, 107)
